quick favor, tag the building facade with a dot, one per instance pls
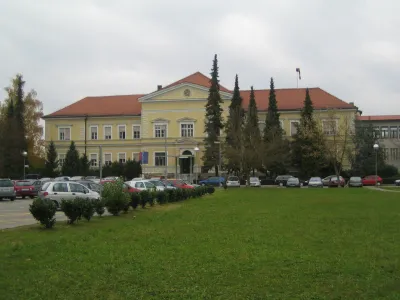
(387, 132)
(165, 129)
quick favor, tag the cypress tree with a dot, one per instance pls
(84, 165)
(71, 166)
(51, 162)
(272, 123)
(213, 121)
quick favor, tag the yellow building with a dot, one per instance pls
(162, 128)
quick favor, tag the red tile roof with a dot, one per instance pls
(379, 118)
(197, 78)
(293, 99)
(127, 105)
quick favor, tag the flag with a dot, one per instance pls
(298, 71)
(144, 157)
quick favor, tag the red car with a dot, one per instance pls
(25, 188)
(179, 184)
(129, 189)
(372, 180)
(334, 182)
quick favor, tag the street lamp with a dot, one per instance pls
(195, 155)
(219, 163)
(376, 148)
(24, 154)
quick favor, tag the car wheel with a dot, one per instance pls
(12, 198)
(31, 197)
(1, 199)
(23, 197)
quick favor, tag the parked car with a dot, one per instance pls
(282, 179)
(336, 182)
(327, 179)
(233, 181)
(45, 179)
(255, 182)
(27, 188)
(397, 182)
(372, 180)
(76, 178)
(355, 182)
(56, 191)
(160, 185)
(179, 184)
(7, 189)
(142, 185)
(91, 185)
(293, 182)
(215, 181)
(32, 176)
(129, 189)
(62, 178)
(315, 182)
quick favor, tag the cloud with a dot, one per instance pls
(71, 49)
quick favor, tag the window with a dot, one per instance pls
(159, 159)
(122, 158)
(93, 159)
(160, 131)
(386, 151)
(329, 127)
(107, 159)
(61, 159)
(77, 188)
(394, 133)
(139, 185)
(136, 131)
(121, 132)
(293, 127)
(384, 132)
(261, 126)
(60, 187)
(136, 156)
(394, 154)
(107, 132)
(64, 133)
(93, 132)
(376, 132)
(281, 122)
(187, 129)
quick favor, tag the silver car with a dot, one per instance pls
(315, 182)
(7, 189)
(233, 181)
(255, 182)
(57, 191)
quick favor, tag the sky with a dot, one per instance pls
(67, 50)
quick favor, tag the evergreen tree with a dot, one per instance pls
(213, 121)
(308, 146)
(233, 127)
(71, 166)
(252, 135)
(272, 124)
(132, 169)
(51, 163)
(84, 165)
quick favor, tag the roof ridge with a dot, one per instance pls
(280, 89)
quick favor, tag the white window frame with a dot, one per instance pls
(104, 132)
(293, 121)
(180, 129)
(104, 158)
(91, 161)
(133, 156)
(133, 131)
(160, 124)
(119, 137)
(59, 158)
(330, 133)
(166, 158)
(70, 133)
(281, 122)
(124, 153)
(90, 132)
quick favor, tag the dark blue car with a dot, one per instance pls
(215, 181)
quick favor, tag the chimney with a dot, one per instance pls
(159, 87)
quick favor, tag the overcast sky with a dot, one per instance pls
(67, 50)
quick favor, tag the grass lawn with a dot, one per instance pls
(236, 244)
(390, 188)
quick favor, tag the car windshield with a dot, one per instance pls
(315, 179)
(293, 179)
(156, 183)
(24, 183)
(355, 178)
(233, 178)
(45, 186)
(149, 184)
(6, 183)
(254, 179)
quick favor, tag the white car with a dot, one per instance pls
(143, 185)
(255, 182)
(56, 191)
(397, 182)
(315, 182)
(233, 181)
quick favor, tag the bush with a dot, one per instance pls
(152, 196)
(43, 211)
(210, 189)
(144, 197)
(73, 209)
(179, 194)
(116, 200)
(171, 195)
(88, 208)
(99, 206)
(162, 197)
(135, 200)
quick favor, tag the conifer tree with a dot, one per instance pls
(272, 123)
(51, 163)
(71, 166)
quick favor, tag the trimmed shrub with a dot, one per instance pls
(88, 208)
(135, 200)
(162, 197)
(210, 189)
(72, 209)
(171, 195)
(152, 196)
(99, 206)
(116, 199)
(144, 198)
(179, 194)
(43, 211)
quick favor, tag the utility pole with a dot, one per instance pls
(101, 161)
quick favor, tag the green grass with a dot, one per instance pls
(390, 188)
(236, 244)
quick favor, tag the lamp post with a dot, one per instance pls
(219, 161)
(24, 154)
(376, 148)
(195, 156)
